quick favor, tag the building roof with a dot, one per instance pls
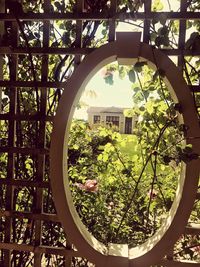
(105, 110)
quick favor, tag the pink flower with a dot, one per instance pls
(89, 185)
(103, 72)
(196, 248)
(152, 193)
(110, 205)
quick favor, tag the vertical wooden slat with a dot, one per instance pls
(146, 31)
(182, 33)
(2, 10)
(11, 140)
(79, 29)
(170, 253)
(112, 23)
(77, 61)
(41, 136)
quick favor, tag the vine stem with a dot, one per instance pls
(152, 185)
(160, 80)
(141, 87)
(122, 162)
(189, 81)
(140, 176)
(186, 249)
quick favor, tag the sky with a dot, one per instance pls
(118, 95)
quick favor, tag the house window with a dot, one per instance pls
(96, 119)
(112, 120)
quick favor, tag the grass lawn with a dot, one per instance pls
(129, 145)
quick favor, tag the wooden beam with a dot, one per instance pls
(20, 117)
(45, 50)
(24, 150)
(79, 51)
(40, 249)
(192, 229)
(30, 215)
(102, 16)
(25, 183)
(41, 84)
(45, 84)
(173, 263)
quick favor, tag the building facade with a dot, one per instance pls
(113, 116)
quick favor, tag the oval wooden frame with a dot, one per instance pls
(127, 49)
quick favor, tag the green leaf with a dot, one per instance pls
(100, 157)
(152, 88)
(154, 21)
(76, 147)
(142, 108)
(66, 38)
(105, 157)
(58, 5)
(132, 76)
(157, 5)
(149, 107)
(163, 18)
(190, 42)
(136, 89)
(158, 41)
(159, 72)
(109, 79)
(138, 66)
(146, 94)
(164, 30)
(165, 41)
(153, 36)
